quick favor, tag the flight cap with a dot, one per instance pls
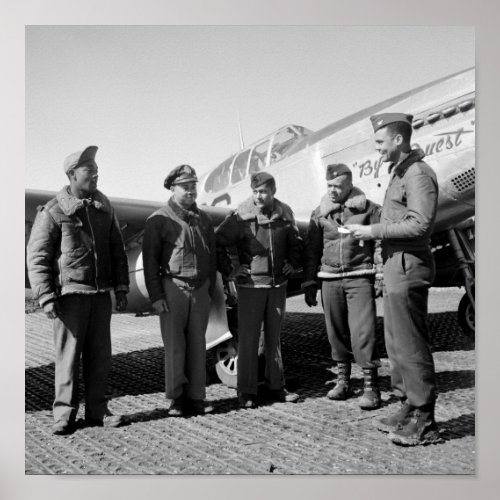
(384, 119)
(80, 158)
(180, 175)
(260, 178)
(336, 169)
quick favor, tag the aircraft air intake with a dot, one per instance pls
(464, 181)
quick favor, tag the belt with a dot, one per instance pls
(187, 283)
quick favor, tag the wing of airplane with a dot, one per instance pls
(132, 215)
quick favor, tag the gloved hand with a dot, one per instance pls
(310, 295)
(379, 285)
(121, 301)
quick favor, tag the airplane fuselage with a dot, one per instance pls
(444, 128)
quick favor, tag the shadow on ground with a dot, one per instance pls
(306, 355)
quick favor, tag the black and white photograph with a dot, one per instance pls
(285, 229)
(250, 253)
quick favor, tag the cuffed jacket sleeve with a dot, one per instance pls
(313, 249)
(119, 260)
(375, 211)
(213, 255)
(415, 221)
(295, 246)
(42, 254)
(227, 236)
(152, 257)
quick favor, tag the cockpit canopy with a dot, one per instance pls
(257, 157)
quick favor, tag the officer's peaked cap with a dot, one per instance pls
(180, 175)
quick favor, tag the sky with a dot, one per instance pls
(153, 97)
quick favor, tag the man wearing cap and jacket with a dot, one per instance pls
(179, 257)
(75, 257)
(406, 224)
(347, 271)
(264, 232)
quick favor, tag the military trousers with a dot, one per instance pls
(257, 306)
(82, 330)
(350, 315)
(183, 331)
(407, 278)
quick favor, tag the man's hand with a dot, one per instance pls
(160, 306)
(287, 269)
(243, 271)
(51, 309)
(310, 295)
(379, 285)
(360, 232)
(121, 301)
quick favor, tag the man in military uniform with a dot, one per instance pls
(264, 232)
(180, 269)
(346, 268)
(406, 224)
(75, 257)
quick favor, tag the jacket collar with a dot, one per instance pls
(69, 203)
(355, 200)
(186, 215)
(247, 210)
(415, 155)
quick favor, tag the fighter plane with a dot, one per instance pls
(444, 127)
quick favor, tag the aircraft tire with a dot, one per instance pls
(467, 317)
(226, 365)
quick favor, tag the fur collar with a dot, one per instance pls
(415, 155)
(69, 203)
(247, 210)
(193, 214)
(356, 200)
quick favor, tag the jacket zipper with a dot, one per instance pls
(93, 246)
(193, 242)
(341, 242)
(272, 255)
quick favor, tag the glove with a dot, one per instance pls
(121, 301)
(310, 295)
(378, 285)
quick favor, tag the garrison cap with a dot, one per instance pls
(384, 119)
(79, 158)
(336, 169)
(260, 178)
(180, 175)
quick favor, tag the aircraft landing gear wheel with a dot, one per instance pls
(226, 365)
(467, 317)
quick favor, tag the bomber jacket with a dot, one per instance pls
(264, 243)
(330, 254)
(76, 246)
(410, 205)
(178, 243)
